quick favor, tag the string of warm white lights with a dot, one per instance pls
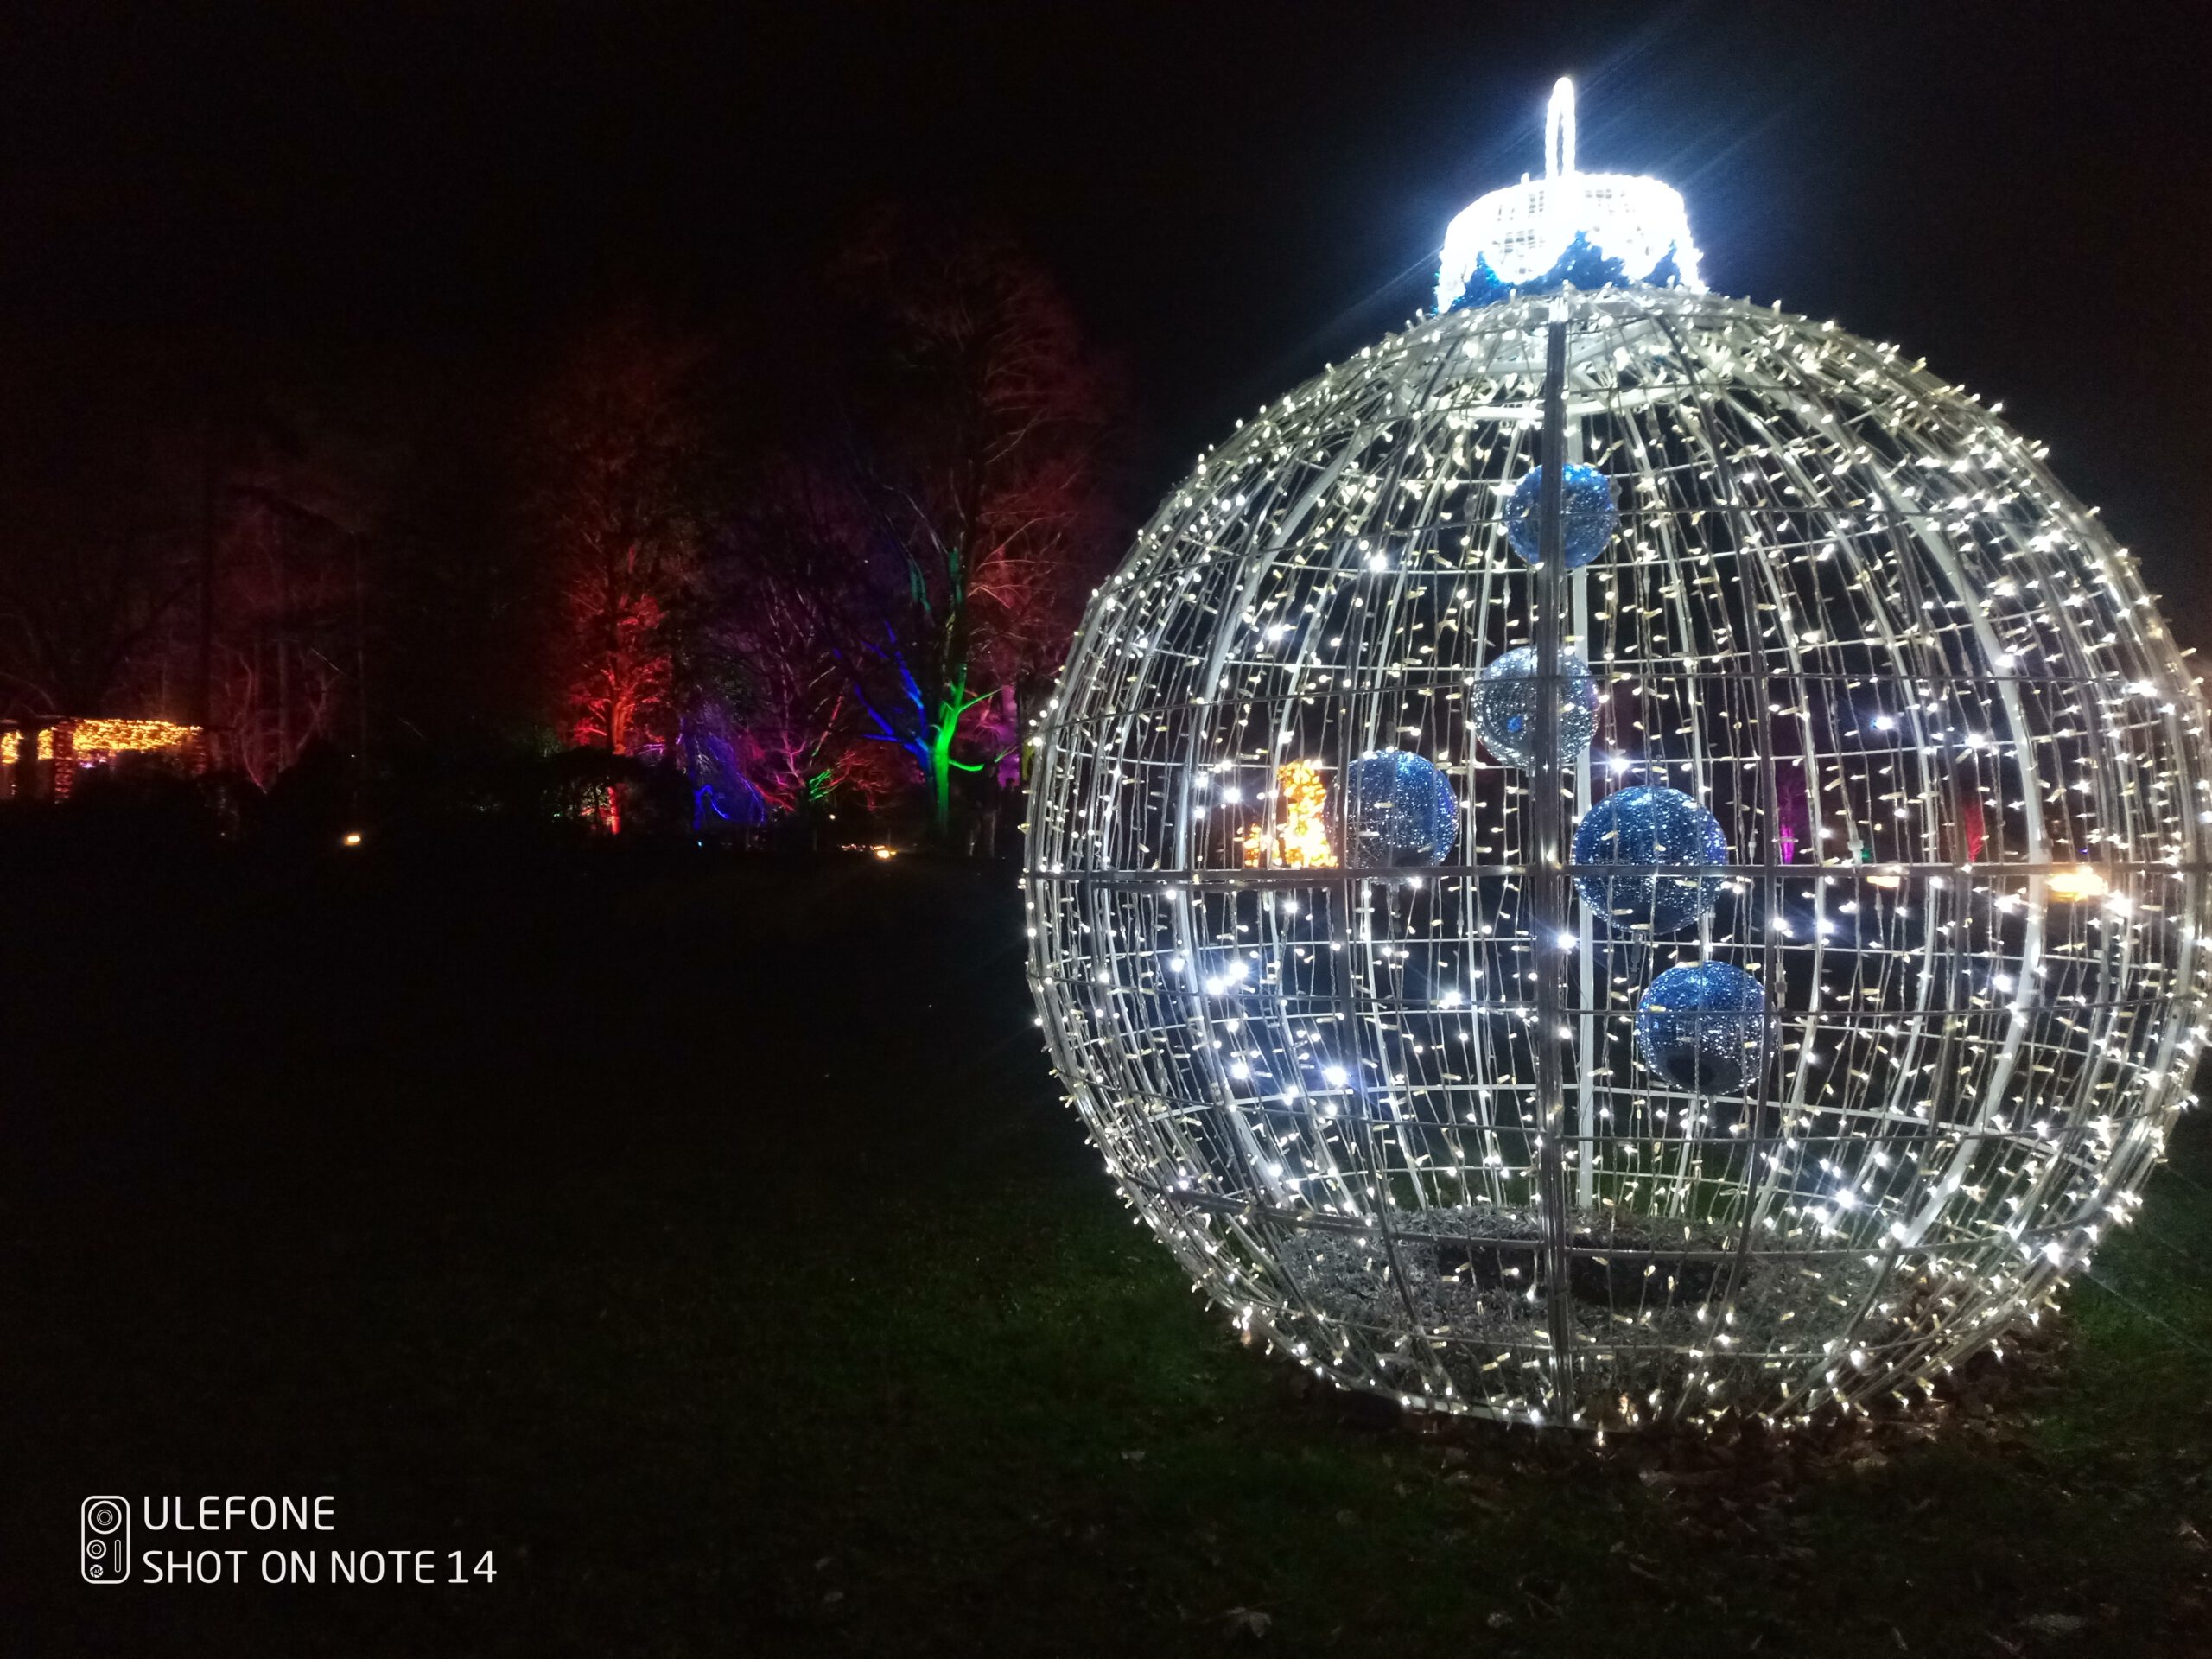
(1881, 783)
(94, 738)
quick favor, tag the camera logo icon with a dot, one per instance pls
(104, 1540)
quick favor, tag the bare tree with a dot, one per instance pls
(91, 539)
(615, 449)
(971, 455)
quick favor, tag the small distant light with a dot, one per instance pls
(351, 838)
(885, 852)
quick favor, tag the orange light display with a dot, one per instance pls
(2079, 883)
(75, 745)
(128, 737)
(89, 739)
(1301, 837)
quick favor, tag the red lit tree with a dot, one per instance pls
(615, 462)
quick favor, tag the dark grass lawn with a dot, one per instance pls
(708, 1242)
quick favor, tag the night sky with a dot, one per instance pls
(1232, 195)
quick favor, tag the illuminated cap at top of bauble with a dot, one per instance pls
(1569, 227)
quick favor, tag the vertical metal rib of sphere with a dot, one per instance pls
(1850, 614)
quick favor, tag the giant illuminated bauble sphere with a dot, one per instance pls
(1961, 770)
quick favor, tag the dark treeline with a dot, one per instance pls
(729, 576)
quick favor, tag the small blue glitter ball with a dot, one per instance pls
(1505, 706)
(1706, 1028)
(1587, 515)
(1401, 809)
(1646, 826)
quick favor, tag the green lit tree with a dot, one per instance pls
(975, 512)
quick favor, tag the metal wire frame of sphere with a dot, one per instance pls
(1959, 765)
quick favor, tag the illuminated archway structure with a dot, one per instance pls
(1398, 1116)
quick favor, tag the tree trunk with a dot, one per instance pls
(941, 782)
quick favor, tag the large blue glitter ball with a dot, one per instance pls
(1706, 1028)
(1505, 706)
(1587, 515)
(1401, 809)
(1652, 826)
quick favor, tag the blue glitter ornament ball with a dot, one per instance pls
(1401, 809)
(1706, 1028)
(1587, 515)
(1505, 706)
(1650, 825)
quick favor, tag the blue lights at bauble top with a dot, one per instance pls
(1505, 706)
(1706, 1028)
(1584, 265)
(1649, 826)
(1587, 515)
(1400, 809)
